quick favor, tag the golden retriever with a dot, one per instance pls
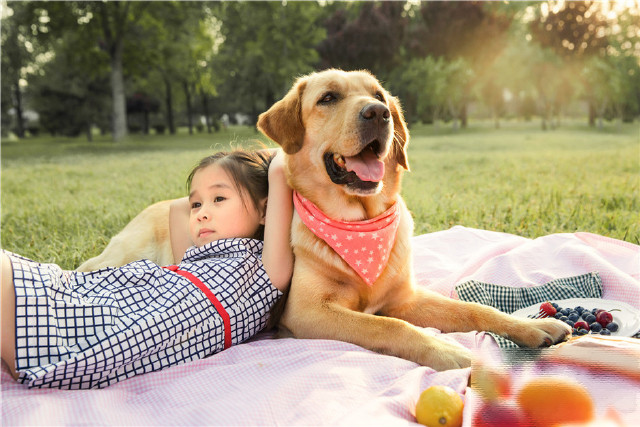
(146, 236)
(345, 141)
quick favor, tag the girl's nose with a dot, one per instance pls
(203, 215)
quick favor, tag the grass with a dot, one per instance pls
(63, 199)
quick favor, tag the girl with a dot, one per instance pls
(71, 330)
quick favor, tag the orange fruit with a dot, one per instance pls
(550, 401)
(439, 406)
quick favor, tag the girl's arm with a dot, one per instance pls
(179, 228)
(277, 255)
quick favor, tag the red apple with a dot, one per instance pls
(500, 413)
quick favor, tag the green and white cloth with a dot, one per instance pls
(509, 299)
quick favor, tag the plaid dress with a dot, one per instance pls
(79, 330)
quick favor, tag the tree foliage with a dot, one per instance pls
(143, 65)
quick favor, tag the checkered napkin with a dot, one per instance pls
(509, 299)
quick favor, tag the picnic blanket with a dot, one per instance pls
(270, 381)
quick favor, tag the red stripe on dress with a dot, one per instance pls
(226, 320)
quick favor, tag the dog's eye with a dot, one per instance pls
(379, 97)
(327, 98)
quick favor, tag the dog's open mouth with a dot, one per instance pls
(362, 172)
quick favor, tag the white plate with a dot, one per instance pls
(628, 317)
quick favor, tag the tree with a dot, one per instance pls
(574, 31)
(371, 40)
(116, 20)
(266, 46)
(472, 31)
(606, 86)
(70, 95)
(19, 50)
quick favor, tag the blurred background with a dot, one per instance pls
(112, 68)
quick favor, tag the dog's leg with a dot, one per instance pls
(329, 317)
(425, 308)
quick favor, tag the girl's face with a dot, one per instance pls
(217, 208)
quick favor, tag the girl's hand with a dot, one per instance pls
(277, 165)
(277, 255)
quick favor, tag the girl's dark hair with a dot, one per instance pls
(249, 172)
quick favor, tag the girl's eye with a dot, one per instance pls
(327, 98)
(195, 205)
(219, 199)
(379, 97)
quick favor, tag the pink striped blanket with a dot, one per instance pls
(270, 381)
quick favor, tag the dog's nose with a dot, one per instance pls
(375, 111)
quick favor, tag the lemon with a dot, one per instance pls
(439, 406)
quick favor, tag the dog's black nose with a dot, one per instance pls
(375, 111)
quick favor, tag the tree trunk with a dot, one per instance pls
(117, 89)
(169, 105)
(145, 129)
(205, 108)
(592, 114)
(19, 112)
(89, 135)
(187, 95)
(463, 116)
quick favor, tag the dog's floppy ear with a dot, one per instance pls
(400, 131)
(283, 121)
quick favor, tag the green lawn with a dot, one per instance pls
(63, 199)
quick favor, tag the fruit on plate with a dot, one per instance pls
(582, 320)
(502, 413)
(490, 382)
(604, 318)
(548, 308)
(550, 401)
(439, 406)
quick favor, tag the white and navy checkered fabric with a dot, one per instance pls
(509, 299)
(89, 330)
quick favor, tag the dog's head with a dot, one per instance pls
(340, 129)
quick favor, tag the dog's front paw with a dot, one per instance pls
(442, 355)
(540, 332)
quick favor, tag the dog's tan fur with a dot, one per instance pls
(145, 236)
(327, 298)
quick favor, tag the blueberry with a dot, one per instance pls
(582, 331)
(557, 315)
(555, 305)
(605, 332)
(613, 327)
(579, 309)
(595, 327)
(590, 318)
(566, 311)
(573, 316)
(593, 311)
(563, 318)
(570, 322)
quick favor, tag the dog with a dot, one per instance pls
(146, 236)
(345, 141)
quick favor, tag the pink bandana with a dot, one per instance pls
(364, 245)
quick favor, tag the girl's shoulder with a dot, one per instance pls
(225, 248)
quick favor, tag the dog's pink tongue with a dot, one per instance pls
(366, 165)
